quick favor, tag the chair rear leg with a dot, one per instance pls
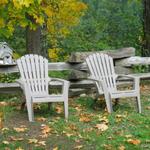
(49, 105)
(138, 101)
(116, 101)
(66, 108)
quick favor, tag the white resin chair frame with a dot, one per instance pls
(35, 83)
(102, 71)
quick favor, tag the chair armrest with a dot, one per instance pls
(94, 79)
(127, 76)
(20, 81)
(135, 79)
(60, 80)
(65, 85)
(102, 83)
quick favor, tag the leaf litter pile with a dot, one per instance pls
(89, 126)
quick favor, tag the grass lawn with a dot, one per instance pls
(89, 126)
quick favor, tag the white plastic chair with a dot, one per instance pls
(35, 82)
(101, 69)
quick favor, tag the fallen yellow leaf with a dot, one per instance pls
(121, 147)
(46, 129)
(55, 148)
(1, 123)
(16, 138)
(59, 109)
(42, 143)
(4, 104)
(79, 147)
(148, 107)
(41, 119)
(5, 129)
(134, 141)
(20, 129)
(128, 136)
(104, 120)
(19, 148)
(1, 120)
(32, 141)
(69, 134)
(72, 127)
(5, 142)
(85, 118)
(101, 127)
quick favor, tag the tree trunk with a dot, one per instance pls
(146, 17)
(33, 41)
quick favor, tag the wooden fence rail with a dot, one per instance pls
(124, 59)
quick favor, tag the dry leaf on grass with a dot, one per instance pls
(144, 87)
(77, 108)
(72, 127)
(78, 147)
(42, 143)
(128, 136)
(119, 117)
(59, 109)
(107, 147)
(55, 148)
(45, 129)
(148, 107)
(19, 148)
(5, 142)
(103, 119)
(36, 106)
(88, 129)
(121, 147)
(1, 123)
(85, 118)
(101, 127)
(134, 141)
(69, 134)
(1, 120)
(42, 119)
(12, 138)
(32, 141)
(5, 129)
(20, 129)
(4, 103)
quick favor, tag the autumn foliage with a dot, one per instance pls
(57, 15)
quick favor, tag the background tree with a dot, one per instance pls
(56, 16)
(107, 25)
(146, 16)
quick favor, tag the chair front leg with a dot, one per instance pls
(107, 98)
(30, 109)
(66, 108)
(108, 102)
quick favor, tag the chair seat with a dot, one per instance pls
(48, 98)
(127, 93)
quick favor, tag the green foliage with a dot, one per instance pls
(8, 78)
(141, 68)
(107, 25)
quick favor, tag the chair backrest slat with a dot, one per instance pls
(34, 72)
(101, 66)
